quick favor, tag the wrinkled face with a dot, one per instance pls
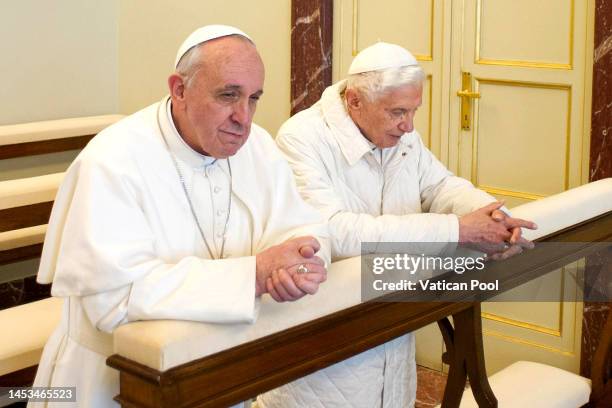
(214, 111)
(383, 121)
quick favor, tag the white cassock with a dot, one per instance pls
(398, 194)
(122, 244)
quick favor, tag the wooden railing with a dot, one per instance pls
(242, 372)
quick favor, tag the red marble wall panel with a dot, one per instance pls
(600, 166)
(311, 51)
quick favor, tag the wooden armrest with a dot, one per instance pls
(29, 139)
(27, 202)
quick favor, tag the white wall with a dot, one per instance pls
(69, 58)
(151, 31)
(58, 59)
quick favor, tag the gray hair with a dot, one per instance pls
(191, 61)
(375, 83)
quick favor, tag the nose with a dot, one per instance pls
(406, 125)
(241, 113)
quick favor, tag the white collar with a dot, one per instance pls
(176, 143)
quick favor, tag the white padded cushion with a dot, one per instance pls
(22, 237)
(26, 329)
(165, 344)
(55, 129)
(528, 384)
(30, 190)
(565, 209)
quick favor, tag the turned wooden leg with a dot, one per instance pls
(455, 358)
(465, 355)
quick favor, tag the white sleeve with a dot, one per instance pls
(349, 229)
(214, 291)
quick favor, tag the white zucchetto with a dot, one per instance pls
(206, 33)
(379, 56)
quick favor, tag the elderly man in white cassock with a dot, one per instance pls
(357, 157)
(184, 210)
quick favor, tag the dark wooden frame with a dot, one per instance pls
(245, 371)
(242, 372)
(19, 378)
(23, 217)
(10, 151)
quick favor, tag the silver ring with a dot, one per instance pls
(302, 269)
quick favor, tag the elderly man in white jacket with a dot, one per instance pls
(184, 210)
(357, 158)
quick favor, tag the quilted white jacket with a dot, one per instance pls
(367, 194)
(398, 194)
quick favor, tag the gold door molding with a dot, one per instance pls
(529, 326)
(530, 343)
(525, 63)
(420, 57)
(475, 140)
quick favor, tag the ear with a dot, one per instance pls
(353, 99)
(177, 87)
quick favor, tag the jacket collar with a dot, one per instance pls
(350, 139)
(352, 142)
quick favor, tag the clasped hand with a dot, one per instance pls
(277, 269)
(494, 232)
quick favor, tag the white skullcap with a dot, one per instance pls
(206, 33)
(381, 55)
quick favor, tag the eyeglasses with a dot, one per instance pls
(397, 115)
